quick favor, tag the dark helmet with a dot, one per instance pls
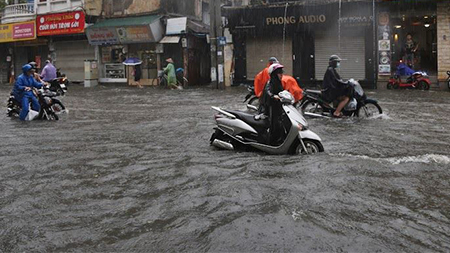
(273, 60)
(33, 64)
(335, 58)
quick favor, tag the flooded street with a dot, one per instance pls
(132, 170)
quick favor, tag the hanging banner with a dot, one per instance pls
(17, 32)
(61, 23)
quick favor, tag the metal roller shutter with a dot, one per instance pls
(259, 50)
(352, 51)
(70, 57)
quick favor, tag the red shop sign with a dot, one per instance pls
(61, 23)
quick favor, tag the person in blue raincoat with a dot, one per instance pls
(23, 91)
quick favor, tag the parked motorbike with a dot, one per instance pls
(314, 105)
(241, 130)
(416, 79)
(50, 105)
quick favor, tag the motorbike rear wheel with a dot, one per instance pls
(312, 107)
(369, 110)
(422, 85)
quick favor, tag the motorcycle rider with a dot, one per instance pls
(49, 71)
(335, 89)
(23, 91)
(263, 77)
(36, 75)
(289, 83)
(271, 105)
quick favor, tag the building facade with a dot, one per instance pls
(150, 31)
(108, 31)
(44, 29)
(370, 36)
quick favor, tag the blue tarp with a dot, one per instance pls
(404, 70)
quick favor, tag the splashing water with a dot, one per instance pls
(428, 159)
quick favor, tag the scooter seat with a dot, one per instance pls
(250, 119)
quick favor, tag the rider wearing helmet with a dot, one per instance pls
(335, 89)
(23, 91)
(263, 77)
(35, 74)
(271, 105)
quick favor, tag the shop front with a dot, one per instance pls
(119, 39)
(303, 37)
(67, 42)
(21, 47)
(407, 33)
(185, 42)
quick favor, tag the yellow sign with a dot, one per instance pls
(18, 31)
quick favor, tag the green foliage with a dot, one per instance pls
(2, 4)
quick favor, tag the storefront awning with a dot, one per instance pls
(142, 29)
(170, 40)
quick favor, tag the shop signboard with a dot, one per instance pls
(384, 45)
(176, 26)
(102, 36)
(61, 23)
(134, 34)
(24, 31)
(119, 35)
(18, 32)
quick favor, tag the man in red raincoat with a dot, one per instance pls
(290, 84)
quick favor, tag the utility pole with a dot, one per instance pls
(217, 54)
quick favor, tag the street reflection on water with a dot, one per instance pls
(132, 170)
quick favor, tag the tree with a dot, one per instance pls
(2, 4)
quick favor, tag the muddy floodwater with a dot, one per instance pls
(132, 170)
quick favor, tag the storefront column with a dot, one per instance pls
(443, 31)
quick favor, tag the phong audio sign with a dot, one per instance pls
(61, 23)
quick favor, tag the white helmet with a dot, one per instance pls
(274, 67)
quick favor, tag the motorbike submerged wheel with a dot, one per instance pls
(389, 86)
(312, 107)
(48, 114)
(370, 109)
(58, 107)
(312, 147)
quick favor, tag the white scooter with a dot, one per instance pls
(236, 129)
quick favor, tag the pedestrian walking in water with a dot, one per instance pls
(171, 76)
(138, 75)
